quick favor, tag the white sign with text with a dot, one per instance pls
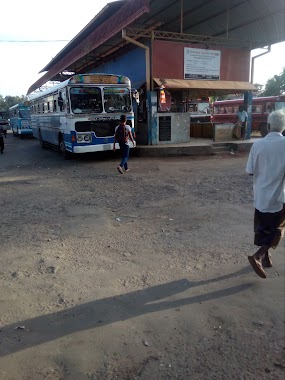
(202, 64)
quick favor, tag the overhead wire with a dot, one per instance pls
(16, 41)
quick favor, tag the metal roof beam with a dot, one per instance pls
(189, 12)
(191, 38)
(219, 13)
(254, 20)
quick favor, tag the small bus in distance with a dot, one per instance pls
(80, 114)
(20, 119)
(225, 111)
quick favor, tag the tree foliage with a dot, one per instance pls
(9, 101)
(275, 86)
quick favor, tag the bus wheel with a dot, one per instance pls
(62, 148)
(42, 143)
(263, 129)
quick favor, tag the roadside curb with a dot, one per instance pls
(194, 150)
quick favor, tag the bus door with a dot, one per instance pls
(62, 99)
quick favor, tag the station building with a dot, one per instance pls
(177, 54)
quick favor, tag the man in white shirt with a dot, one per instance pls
(266, 162)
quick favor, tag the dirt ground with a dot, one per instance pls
(137, 276)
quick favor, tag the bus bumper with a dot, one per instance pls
(25, 131)
(95, 148)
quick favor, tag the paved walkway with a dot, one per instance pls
(195, 147)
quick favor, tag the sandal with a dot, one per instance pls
(120, 170)
(257, 266)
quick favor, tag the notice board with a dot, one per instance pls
(164, 127)
(202, 64)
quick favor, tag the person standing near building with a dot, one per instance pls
(1, 139)
(241, 119)
(266, 162)
(123, 135)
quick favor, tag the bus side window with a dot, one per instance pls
(60, 102)
(54, 106)
(229, 110)
(67, 101)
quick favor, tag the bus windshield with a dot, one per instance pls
(203, 107)
(117, 99)
(279, 105)
(86, 99)
(24, 113)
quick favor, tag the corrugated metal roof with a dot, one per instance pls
(250, 23)
(100, 18)
(82, 54)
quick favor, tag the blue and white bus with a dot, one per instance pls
(80, 114)
(20, 119)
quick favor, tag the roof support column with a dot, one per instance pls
(228, 19)
(181, 17)
(147, 56)
(247, 99)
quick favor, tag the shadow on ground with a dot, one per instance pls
(31, 332)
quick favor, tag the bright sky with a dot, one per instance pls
(20, 62)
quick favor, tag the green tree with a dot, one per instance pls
(2, 104)
(9, 101)
(275, 86)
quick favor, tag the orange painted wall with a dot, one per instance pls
(168, 61)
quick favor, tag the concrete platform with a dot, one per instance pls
(197, 147)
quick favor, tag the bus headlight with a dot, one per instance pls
(87, 138)
(82, 138)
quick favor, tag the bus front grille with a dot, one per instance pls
(101, 128)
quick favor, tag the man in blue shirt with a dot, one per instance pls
(242, 117)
